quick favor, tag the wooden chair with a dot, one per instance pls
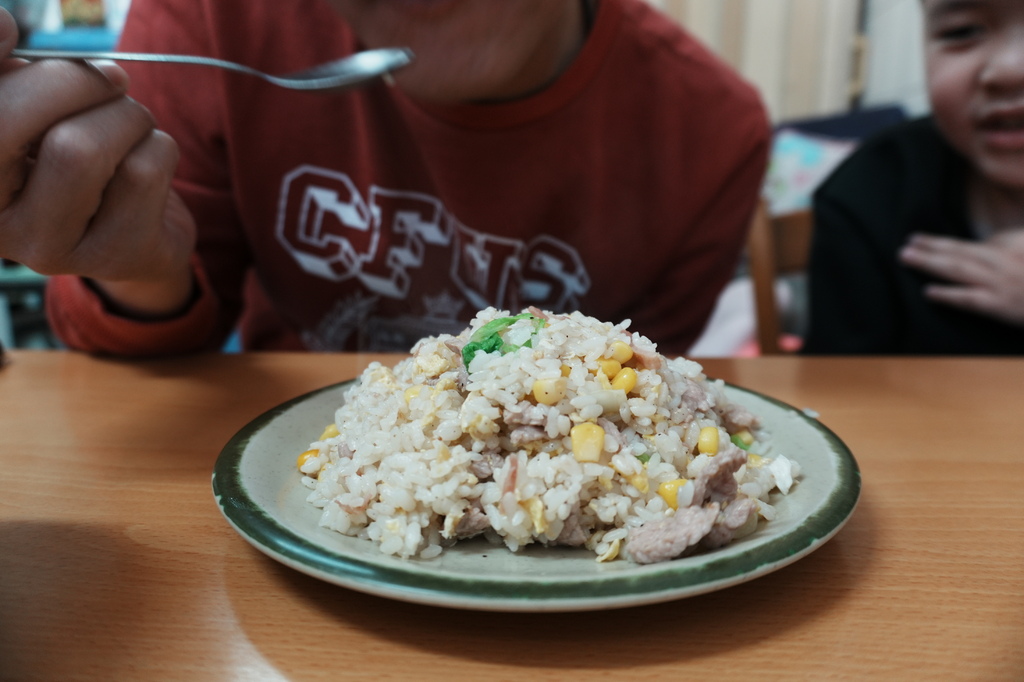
(777, 245)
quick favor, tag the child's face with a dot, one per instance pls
(975, 62)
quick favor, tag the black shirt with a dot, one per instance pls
(904, 180)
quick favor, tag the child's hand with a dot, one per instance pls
(986, 278)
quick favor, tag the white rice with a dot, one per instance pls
(400, 472)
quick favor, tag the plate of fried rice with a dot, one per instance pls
(536, 462)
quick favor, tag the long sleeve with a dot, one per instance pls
(852, 304)
(82, 322)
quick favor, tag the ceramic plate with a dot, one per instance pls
(259, 492)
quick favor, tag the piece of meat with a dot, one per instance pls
(485, 467)
(455, 345)
(716, 481)
(473, 522)
(729, 520)
(737, 417)
(525, 413)
(461, 373)
(573, 534)
(669, 537)
(694, 397)
(647, 359)
(526, 434)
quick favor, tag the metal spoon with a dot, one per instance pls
(342, 74)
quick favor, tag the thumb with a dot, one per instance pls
(112, 71)
(8, 33)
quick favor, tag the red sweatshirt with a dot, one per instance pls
(365, 220)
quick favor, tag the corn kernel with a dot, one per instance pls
(640, 482)
(412, 392)
(535, 506)
(621, 352)
(587, 442)
(609, 367)
(305, 457)
(625, 380)
(549, 391)
(669, 491)
(754, 461)
(707, 441)
(330, 432)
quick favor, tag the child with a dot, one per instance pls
(919, 239)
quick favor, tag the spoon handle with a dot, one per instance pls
(25, 53)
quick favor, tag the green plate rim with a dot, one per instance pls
(643, 584)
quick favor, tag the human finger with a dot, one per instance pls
(133, 235)
(8, 65)
(110, 70)
(34, 98)
(949, 246)
(981, 300)
(11, 175)
(1012, 240)
(977, 299)
(8, 33)
(76, 160)
(951, 259)
(38, 95)
(8, 41)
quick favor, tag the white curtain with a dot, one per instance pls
(896, 64)
(805, 56)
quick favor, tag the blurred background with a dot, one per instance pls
(830, 71)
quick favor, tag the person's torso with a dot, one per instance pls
(374, 221)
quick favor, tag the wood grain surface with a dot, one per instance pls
(115, 563)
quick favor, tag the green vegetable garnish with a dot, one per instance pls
(644, 458)
(738, 442)
(488, 338)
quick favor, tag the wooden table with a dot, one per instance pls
(115, 562)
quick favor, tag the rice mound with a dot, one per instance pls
(433, 451)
